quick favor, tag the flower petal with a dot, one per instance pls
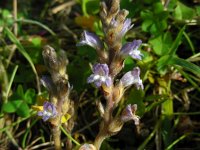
(100, 75)
(90, 39)
(132, 77)
(49, 111)
(126, 27)
(131, 48)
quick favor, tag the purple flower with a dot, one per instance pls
(131, 48)
(100, 75)
(49, 111)
(90, 39)
(126, 27)
(132, 77)
(47, 83)
(129, 114)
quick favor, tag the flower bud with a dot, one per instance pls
(129, 114)
(87, 147)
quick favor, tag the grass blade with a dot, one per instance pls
(10, 83)
(176, 141)
(21, 49)
(186, 65)
(177, 42)
(69, 136)
(37, 23)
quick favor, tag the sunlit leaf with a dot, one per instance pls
(183, 12)
(65, 118)
(162, 43)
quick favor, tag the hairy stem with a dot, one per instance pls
(99, 140)
(56, 137)
(107, 118)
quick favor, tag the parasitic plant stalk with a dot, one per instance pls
(111, 55)
(59, 110)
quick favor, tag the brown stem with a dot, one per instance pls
(56, 137)
(99, 140)
(107, 118)
(15, 16)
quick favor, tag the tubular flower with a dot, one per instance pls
(49, 111)
(47, 83)
(132, 77)
(90, 39)
(100, 75)
(126, 27)
(131, 48)
(129, 114)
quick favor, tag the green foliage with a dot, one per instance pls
(136, 97)
(78, 77)
(19, 102)
(89, 6)
(161, 43)
(154, 19)
(183, 12)
(6, 18)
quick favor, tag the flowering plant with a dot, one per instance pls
(111, 54)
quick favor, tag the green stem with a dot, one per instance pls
(69, 136)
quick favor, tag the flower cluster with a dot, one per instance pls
(111, 54)
(101, 71)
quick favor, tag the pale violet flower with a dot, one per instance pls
(132, 77)
(131, 48)
(100, 75)
(126, 27)
(48, 112)
(129, 114)
(90, 39)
